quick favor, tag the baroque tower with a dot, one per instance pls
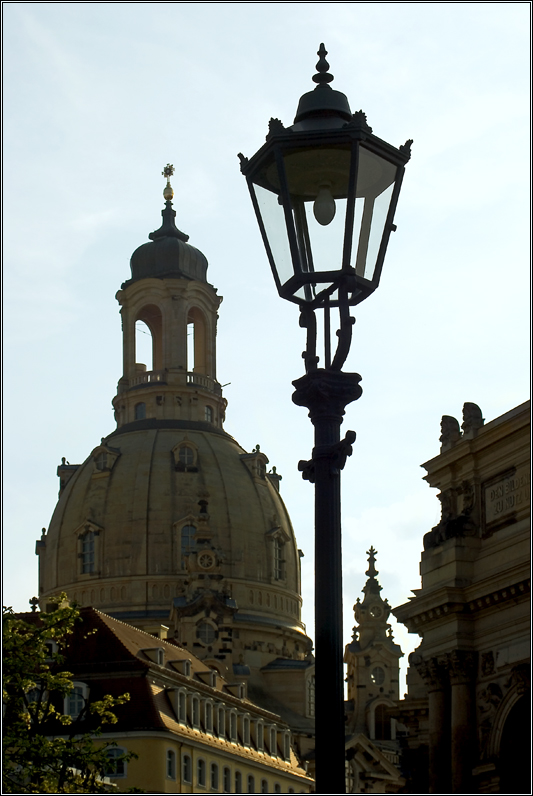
(169, 525)
(373, 662)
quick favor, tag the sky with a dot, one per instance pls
(98, 97)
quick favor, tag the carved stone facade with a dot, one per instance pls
(467, 707)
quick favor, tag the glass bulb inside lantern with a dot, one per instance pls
(324, 206)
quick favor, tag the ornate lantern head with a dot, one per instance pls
(325, 191)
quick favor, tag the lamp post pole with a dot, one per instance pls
(327, 164)
(326, 393)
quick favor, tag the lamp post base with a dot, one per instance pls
(326, 393)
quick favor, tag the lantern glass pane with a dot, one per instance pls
(322, 242)
(375, 183)
(273, 218)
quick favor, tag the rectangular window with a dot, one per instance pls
(116, 768)
(75, 701)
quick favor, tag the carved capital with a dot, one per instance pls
(461, 665)
(326, 393)
(433, 671)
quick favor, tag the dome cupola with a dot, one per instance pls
(168, 255)
(168, 292)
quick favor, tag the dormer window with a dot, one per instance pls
(273, 741)
(208, 716)
(101, 461)
(185, 457)
(246, 730)
(104, 459)
(181, 706)
(195, 711)
(156, 655)
(260, 736)
(233, 726)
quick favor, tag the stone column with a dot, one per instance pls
(462, 668)
(434, 673)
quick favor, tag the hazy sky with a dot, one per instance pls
(98, 97)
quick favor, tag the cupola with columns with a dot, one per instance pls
(168, 291)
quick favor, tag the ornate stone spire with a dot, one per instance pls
(371, 615)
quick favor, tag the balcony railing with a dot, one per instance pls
(194, 379)
(199, 380)
(147, 377)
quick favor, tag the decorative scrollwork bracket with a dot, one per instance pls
(336, 455)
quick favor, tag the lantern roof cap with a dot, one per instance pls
(323, 103)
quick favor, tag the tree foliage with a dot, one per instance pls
(46, 750)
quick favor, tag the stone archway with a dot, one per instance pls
(515, 749)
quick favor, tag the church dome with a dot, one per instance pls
(168, 257)
(163, 510)
(169, 522)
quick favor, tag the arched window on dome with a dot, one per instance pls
(279, 561)
(88, 552)
(88, 548)
(140, 411)
(196, 342)
(277, 539)
(188, 543)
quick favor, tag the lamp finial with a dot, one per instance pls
(323, 77)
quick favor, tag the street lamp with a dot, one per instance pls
(325, 191)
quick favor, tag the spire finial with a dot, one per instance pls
(372, 571)
(168, 193)
(323, 77)
(168, 229)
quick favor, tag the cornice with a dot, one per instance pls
(426, 610)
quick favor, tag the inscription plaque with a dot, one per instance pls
(508, 494)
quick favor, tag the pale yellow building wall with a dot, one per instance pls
(149, 771)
